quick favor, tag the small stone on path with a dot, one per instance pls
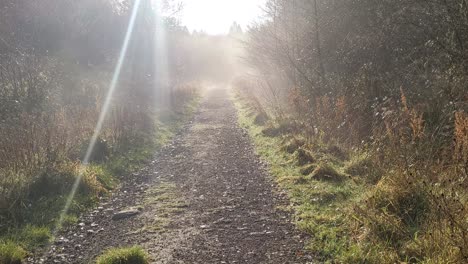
(125, 214)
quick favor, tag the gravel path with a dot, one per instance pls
(206, 198)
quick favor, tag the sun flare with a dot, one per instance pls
(216, 16)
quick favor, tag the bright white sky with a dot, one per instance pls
(217, 16)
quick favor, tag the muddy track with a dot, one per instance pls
(206, 198)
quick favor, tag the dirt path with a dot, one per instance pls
(205, 199)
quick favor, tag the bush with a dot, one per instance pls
(10, 253)
(130, 255)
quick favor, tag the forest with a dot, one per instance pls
(356, 111)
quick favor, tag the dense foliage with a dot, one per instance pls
(383, 83)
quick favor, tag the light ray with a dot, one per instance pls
(102, 115)
(162, 78)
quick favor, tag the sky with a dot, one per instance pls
(217, 16)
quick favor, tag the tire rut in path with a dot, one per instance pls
(216, 203)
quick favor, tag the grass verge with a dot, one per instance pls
(321, 206)
(359, 209)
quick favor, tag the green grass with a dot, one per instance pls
(130, 255)
(321, 208)
(35, 236)
(69, 220)
(11, 253)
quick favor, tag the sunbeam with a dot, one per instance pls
(162, 76)
(104, 110)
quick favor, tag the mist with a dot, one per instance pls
(266, 131)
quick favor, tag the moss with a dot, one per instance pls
(11, 253)
(129, 255)
(166, 201)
